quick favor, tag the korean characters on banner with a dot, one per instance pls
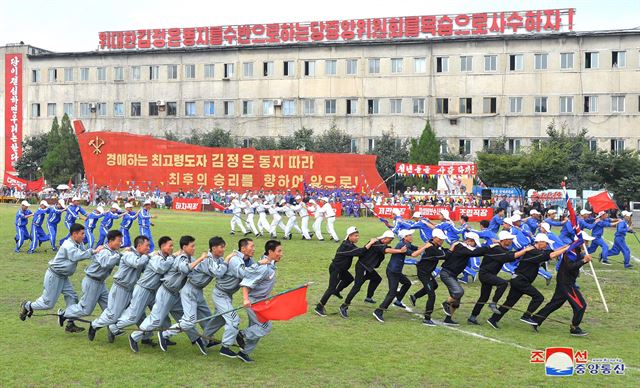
(462, 169)
(12, 110)
(187, 204)
(475, 214)
(389, 211)
(386, 28)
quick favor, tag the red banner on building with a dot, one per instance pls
(408, 169)
(120, 160)
(12, 110)
(389, 211)
(188, 204)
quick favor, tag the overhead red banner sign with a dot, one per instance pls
(13, 181)
(385, 28)
(120, 160)
(408, 169)
(188, 204)
(12, 110)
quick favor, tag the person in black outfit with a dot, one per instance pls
(395, 275)
(497, 255)
(366, 270)
(339, 275)
(523, 278)
(567, 290)
(425, 267)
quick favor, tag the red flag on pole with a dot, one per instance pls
(282, 307)
(35, 185)
(601, 202)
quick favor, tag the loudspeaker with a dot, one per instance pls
(486, 194)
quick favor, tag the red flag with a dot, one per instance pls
(601, 202)
(35, 185)
(70, 184)
(282, 307)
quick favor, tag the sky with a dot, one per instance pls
(72, 25)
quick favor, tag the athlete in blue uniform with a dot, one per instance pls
(55, 215)
(38, 236)
(90, 224)
(74, 211)
(144, 221)
(127, 220)
(107, 222)
(22, 218)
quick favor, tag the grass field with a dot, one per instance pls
(315, 351)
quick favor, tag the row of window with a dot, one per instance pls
(515, 145)
(309, 68)
(289, 107)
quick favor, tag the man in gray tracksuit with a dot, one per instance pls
(257, 285)
(144, 292)
(56, 279)
(168, 297)
(94, 290)
(131, 265)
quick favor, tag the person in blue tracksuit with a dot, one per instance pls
(449, 228)
(619, 243)
(545, 228)
(144, 221)
(400, 223)
(585, 221)
(22, 219)
(603, 221)
(90, 224)
(567, 233)
(533, 221)
(424, 226)
(525, 237)
(473, 266)
(551, 218)
(497, 220)
(127, 220)
(107, 222)
(74, 211)
(55, 215)
(38, 236)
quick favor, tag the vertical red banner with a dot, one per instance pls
(12, 110)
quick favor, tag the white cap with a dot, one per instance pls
(602, 213)
(351, 230)
(61, 203)
(445, 214)
(417, 215)
(282, 202)
(515, 218)
(44, 203)
(244, 196)
(472, 236)
(626, 213)
(517, 213)
(25, 203)
(396, 212)
(127, 205)
(438, 233)
(405, 232)
(387, 234)
(325, 199)
(534, 212)
(507, 221)
(76, 199)
(312, 201)
(147, 202)
(584, 212)
(100, 209)
(552, 211)
(504, 235)
(115, 206)
(298, 197)
(545, 226)
(541, 237)
(587, 237)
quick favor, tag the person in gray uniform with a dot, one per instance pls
(56, 278)
(257, 285)
(168, 297)
(94, 290)
(131, 265)
(144, 292)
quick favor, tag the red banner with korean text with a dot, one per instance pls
(475, 214)
(433, 212)
(120, 160)
(188, 204)
(389, 211)
(13, 181)
(409, 169)
(12, 110)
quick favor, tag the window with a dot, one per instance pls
(85, 109)
(190, 108)
(465, 105)
(617, 104)
(68, 74)
(566, 60)
(228, 70)
(288, 69)
(153, 109)
(352, 106)
(444, 147)
(172, 71)
(247, 69)
(118, 109)
(51, 109)
(288, 107)
(118, 73)
(209, 70)
(374, 66)
(590, 104)
(489, 104)
(591, 60)
(67, 108)
(515, 62)
(514, 146)
(330, 107)
(464, 147)
(102, 73)
(354, 146)
(397, 65)
(490, 62)
(190, 71)
(101, 108)
(515, 104)
(419, 65)
(309, 106)
(172, 108)
(267, 69)
(442, 105)
(540, 105)
(330, 66)
(466, 63)
(593, 145)
(486, 144)
(442, 64)
(372, 145)
(618, 59)
(247, 143)
(373, 106)
(84, 74)
(136, 109)
(617, 146)
(395, 106)
(135, 73)
(154, 72)
(229, 108)
(352, 66)
(540, 61)
(209, 108)
(418, 105)
(247, 108)
(566, 104)
(309, 68)
(267, 108)
(53, 75)
(35, 76)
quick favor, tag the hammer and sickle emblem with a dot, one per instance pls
(96, 143)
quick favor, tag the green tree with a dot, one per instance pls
(265, 143)
(302, 139)
(424, 150)
(390, 150)
(621, 175)
(217, 138)
(63, 161)
(169, 135)
(34, 150)
(333, 140)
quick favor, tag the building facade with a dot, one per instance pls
(473, 90)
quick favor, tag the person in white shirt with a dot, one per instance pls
(261, 210)
(236, 219)
(274, 211)
(290, 212)
(248, 210)
(319, 214)
(330, 215)
(301, 208)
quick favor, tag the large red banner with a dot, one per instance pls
(389, 211)
(13, 181)
(120, 160)
(460, 168)
(188, 204)
(12, 110)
